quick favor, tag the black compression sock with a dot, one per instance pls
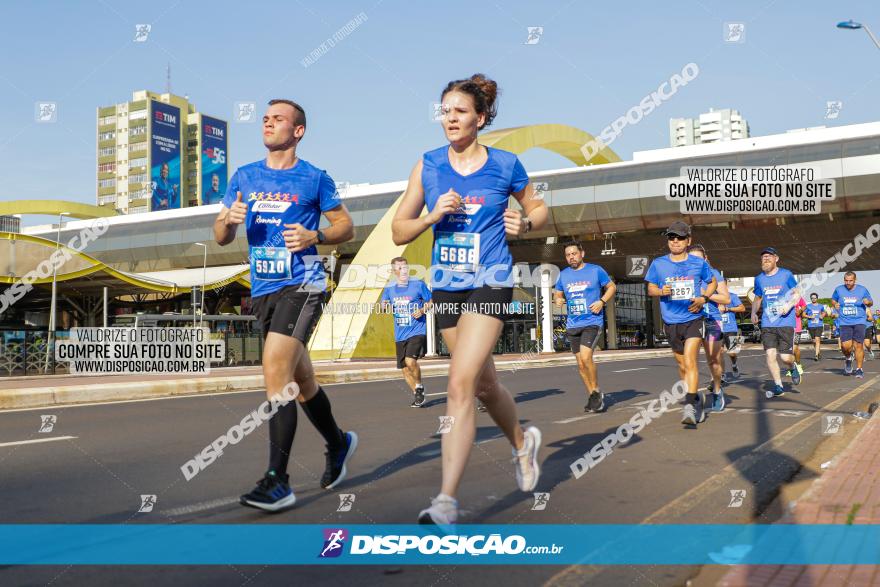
(282, 428)
(690, 398)
(320, 414)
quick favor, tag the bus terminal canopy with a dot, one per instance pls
(25, 255)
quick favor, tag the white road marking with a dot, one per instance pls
(577, 419)
(200, 507)
(636, 369)
(37, 440)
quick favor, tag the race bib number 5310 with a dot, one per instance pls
(270, 263)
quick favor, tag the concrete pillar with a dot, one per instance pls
(546, 314)
(611, 321)
(432, 336)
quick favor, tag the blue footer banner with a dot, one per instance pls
(525, 544)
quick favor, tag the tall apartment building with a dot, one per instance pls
(711, 127)
(157, 152)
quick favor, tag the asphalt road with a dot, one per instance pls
(107, 456)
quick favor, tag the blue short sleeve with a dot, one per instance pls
(706, 272)
(653, 274)
(791, 282)
(604, 279)
(328, 195)
(231, 188)
(559, 285)
(519, 179)
(836, 296)
(385, 296)
(759, 289)
(426, 293)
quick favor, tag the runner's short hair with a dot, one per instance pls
(399, 260)
(300, 113)
(574, 243)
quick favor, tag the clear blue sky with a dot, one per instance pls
(368, 99)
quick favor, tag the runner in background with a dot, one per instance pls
(409, 300)
(798, 328)
(586, 289)
(675, 278)
(815, 312)
(851, 301)
(776, 295)
(713, 334)
(732, 339)
(869, 334)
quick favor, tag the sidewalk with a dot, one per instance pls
(49, 390)
(849, 490)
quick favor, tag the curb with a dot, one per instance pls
(109, 392)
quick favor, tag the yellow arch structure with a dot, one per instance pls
(95, 266)
(56, 207)
(565, 140)
(361, 334)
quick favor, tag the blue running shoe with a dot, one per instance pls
(847, 366)
(271, 494)
(335, 471)
(777, 391)
(859, 374)
(718, 401)
(795, 376)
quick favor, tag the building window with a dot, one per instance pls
(111, 199)
(138, 178)
(138, 147)
(138, 209)
(106, 183)
(138, 115)
(106, 167)
(107, 151)
(138, 130)
(138, 162)
(106, 136)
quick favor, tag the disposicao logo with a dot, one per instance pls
(334, 542)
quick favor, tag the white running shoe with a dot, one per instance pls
(443, 511)
(528, 471)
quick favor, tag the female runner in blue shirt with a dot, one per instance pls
(466, 188)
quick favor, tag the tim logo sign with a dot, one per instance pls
(334, 542)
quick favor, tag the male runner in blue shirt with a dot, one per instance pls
(409, 299)
(580, 285)
(676, 279)
(280, 200)
(851, 300)
(814, 313)
(776, 294)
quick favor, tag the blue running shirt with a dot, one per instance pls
(276, 197)
(470, 246)
(852, 310)
(684, 277)
(775, 294)
(710, 308)
(404, 300)
(582, 287)
(813, 313)
(728, 319)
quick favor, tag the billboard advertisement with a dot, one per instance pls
(164, 156)
(213, 160)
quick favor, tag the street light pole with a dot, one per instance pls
(51, 334)
(852, 25)
(204, 271)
